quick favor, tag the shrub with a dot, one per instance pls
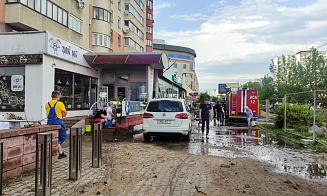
(297, 116)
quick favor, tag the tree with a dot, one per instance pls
(267, 88)
(214, 99)
(204, 96)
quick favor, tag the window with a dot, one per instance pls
(137, 31)
(192, 66)
(101, 40)
(12, 100)
(74, 89)
(122, 79)
(176, 73)
(75, 24)
(140, 4)
(138, 91)
(118, 41)
(149, 4)
(149, 30)
(149, 42)
(119, 5)
(180, 56)
(184, 66)
(119, 23)
(149, 16)
(165, 106)
(175, 65)
(55, 12)
(132, 10)
(49, 9)
(101, 14)
(133, 45)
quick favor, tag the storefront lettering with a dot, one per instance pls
(21, 59)
(68, 51)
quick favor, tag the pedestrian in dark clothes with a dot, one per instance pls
(205, 115)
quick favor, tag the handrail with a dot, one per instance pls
(95, 103)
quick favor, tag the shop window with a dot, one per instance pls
(138, 91)
(12, 88)
(76, 90)
(122, 79)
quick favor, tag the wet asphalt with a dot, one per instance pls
(240, 141)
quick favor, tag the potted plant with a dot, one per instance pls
(78, 101)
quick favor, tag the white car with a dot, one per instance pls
(167, 117)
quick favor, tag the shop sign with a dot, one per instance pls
(17, 83)
(131, 108)
(23, 59)
(65, 50)
(162, 88)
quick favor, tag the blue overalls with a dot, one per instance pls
(54, 120)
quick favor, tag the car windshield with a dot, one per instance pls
(165, 106)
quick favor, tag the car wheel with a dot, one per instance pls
(187, 137)
(146, 137)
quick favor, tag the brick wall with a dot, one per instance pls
(19, 147)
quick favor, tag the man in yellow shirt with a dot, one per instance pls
(55, 111)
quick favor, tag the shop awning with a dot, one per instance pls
(157, 60)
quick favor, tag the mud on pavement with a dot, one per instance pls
(149, 169)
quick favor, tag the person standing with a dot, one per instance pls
(55, 111)
(220, 114)
(110, 114)
(205, 115)
(249, 115)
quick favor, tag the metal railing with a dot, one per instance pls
(96, 107)
(43, 174)
(97, 145)
(75, 153)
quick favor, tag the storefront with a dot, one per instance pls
(130, 76)
(170, 85)
(33, 64)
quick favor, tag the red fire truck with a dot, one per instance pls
(237, 100)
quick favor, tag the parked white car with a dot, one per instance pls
(167, 117)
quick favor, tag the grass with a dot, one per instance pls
(296, 138)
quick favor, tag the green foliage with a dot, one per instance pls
(204, 96)
(214, 99)
(292, 76)
(298, 116)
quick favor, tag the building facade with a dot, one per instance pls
(100, 26)
(181, 62)
(88, 50)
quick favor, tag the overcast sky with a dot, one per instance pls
(238, 38)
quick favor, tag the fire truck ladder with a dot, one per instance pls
(233, 102)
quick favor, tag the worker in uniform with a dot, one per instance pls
(205, 116)
(249, 115)
(55, 111)
(220, 114)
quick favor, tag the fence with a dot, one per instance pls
(303, 114)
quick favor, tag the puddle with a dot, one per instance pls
(232, 142)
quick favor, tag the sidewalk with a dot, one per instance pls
(61, 185)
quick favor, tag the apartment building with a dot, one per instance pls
(88, 50)
(299, 58)
(98, 25)
(181, 62)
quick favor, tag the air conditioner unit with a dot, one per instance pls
(81, 4)
(126, 12)
(125, 29)
(132, 28)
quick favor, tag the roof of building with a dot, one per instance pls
(158, 60)
(174, 48)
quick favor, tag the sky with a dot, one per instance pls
(237, 39)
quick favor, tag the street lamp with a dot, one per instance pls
(238, 80)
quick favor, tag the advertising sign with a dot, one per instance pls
(131, 108)
(61, 48)
(224, 88)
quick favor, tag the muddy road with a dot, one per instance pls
(233, 161)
